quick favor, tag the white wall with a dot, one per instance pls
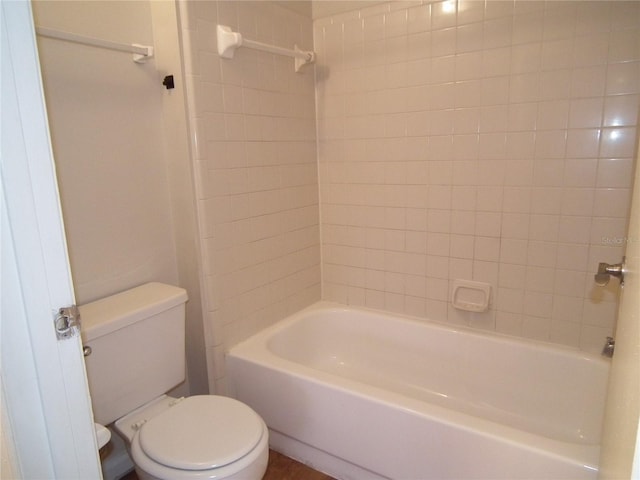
(181, 187)
(620, 452)
(105, 113)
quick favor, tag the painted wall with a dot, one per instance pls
(252, 127)
(106, 122)
(620, 445)
(487, 141)
(122, 156)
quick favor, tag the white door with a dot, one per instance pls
(620, 457)
(44, 388)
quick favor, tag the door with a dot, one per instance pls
(620, 456)
(44, 387)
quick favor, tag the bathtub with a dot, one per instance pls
(362, 394)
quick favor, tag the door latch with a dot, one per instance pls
(67, 322)
(606, 271)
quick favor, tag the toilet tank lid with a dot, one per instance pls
(122, 309)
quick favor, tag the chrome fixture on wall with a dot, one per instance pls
(609, 347)
(606, 271)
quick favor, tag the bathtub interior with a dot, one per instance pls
(554, 392)
(359, 394)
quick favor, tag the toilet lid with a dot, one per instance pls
(201, 432)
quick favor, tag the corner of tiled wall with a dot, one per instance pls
(252, 122)
(490, 141)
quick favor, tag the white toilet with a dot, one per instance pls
(136, 339)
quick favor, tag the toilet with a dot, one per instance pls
(135, 353)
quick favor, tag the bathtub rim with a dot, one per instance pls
(429, 322)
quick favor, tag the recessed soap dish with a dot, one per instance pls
(470, 296)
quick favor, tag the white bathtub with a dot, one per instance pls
(361, 394)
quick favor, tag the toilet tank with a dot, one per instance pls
(137, 347)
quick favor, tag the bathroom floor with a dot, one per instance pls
(280, 468)
(284, 468)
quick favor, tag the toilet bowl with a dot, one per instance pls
(137, 354)
(197, 437)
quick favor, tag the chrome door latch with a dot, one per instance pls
(67, 322)
(606, 271)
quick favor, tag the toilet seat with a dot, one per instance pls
(201, 432)
(202, 436)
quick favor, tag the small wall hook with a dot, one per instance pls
(168, 82)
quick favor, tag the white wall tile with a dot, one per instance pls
(513, 129)
(259, 218)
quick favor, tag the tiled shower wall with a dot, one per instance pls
(490, 141)
(252, 122)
